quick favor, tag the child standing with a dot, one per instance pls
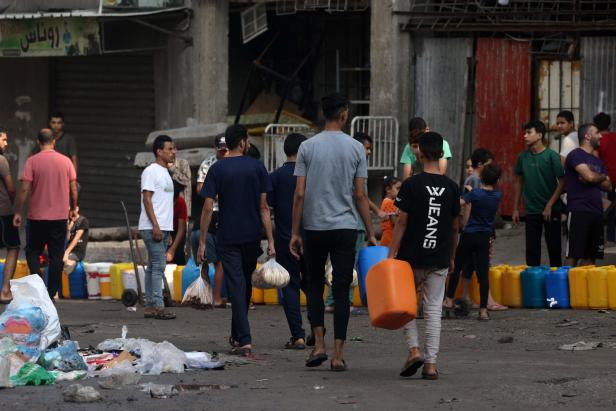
(474, 244)
(391, 188)
(425, 236)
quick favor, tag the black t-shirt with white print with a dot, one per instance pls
(432, 201)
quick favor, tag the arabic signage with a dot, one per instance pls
(49, 37)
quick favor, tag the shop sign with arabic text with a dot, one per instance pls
(48, 37)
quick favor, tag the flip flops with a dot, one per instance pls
(411, 366)
(316, 360)
(338, 368)
(293, 345)
(427, 376)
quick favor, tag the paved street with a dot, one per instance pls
(477, 372)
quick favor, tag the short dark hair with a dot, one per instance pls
(334, 105)
(56, 114)
(159, 143)
(292, 143)
(45, 136)
(602, 121)
(537, 125)
(417, 123)
(3, 130)
(389, 182)
(582, 130)
(567, 115)
(481, 156)
(234, 134)
(490, 174)
(361, 137)
(431, 145)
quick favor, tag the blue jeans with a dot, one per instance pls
(155, 269)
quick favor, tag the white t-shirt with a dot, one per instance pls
(157, 179)
(569, 143)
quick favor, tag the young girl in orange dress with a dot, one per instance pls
(391, 186)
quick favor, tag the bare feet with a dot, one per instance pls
(6, 296)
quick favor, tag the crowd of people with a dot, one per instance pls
(322, 212)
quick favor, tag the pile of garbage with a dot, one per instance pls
(33, 350)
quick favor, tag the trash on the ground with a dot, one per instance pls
(5, 373)
(199, 295)
(569, 394)
(159, 390)
(133, 309)
(602, 311)
(98, 359)
(201, 360)
(270, 275)
(65, 358)
(24, 327)
(200, 387)
(470, 336)
(80, 393)
(458, 329)
(448, 400)
(119, 381)
(69, 376)
(506, 339)
(30, 291)
(32, 374)
(319, 387)
(580, 346)
(121, 368)
(359, 339)
(567, 323)
(263, 380)
(124, 356)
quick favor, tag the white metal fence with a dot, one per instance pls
(273, 142)
(384, 131)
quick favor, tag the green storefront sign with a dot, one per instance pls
(48, 37)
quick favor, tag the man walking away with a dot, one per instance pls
(241, 185)
(585, 178)
(607, 154)
(52, 179)
(539, 175)
(10, 235)
(426, 235)
(156, 224)
(331, 170)
(281, 200)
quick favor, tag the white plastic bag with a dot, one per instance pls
(328, 274)
(270, 275)
(199, 294)
(30, 291)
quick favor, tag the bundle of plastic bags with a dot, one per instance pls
(270, 275)
(199, 294)
(329, 274)
(24, 327)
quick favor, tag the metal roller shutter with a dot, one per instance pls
(108, 102)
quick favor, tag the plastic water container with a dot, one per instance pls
(557, 288)
(596, 279)
(77, 282)
(104, 279)
(129, 281)
(533, 287)
(21, 269)
(93, 286)
(270, 296)
(496, 282)
(368, 257)
(176, 295)
(512, 287)
(257, 296)
(1, 272)
(116, 279)
(390, 286)
(611, 287)
(578, 287)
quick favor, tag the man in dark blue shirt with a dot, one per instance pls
(241, 184)
(281, 200)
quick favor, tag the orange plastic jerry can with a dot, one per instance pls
(390, 288)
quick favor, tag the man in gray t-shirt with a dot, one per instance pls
(331, 170)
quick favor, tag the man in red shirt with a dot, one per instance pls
(607, 153)
(52, 181)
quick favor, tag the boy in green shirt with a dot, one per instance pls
(540, 177)
(418, 126)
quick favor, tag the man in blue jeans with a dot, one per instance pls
(155, 224)
(241, 185)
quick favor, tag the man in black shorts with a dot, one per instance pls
(9, 234)
(585, 178)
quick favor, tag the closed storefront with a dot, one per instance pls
(108, 102)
